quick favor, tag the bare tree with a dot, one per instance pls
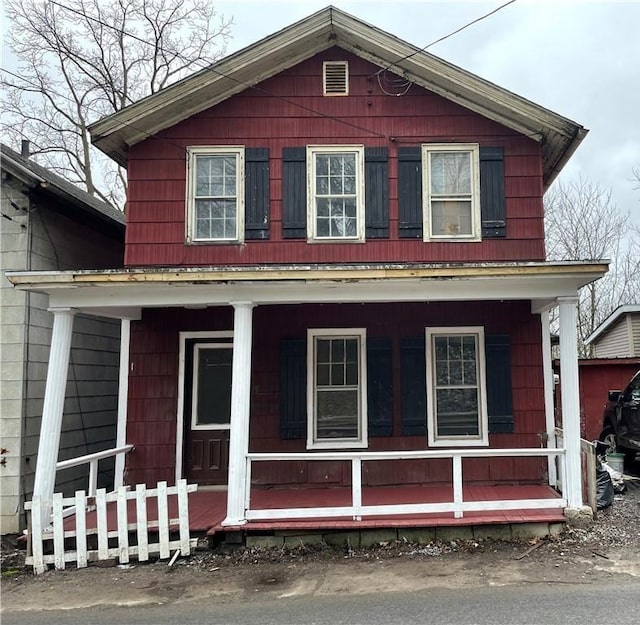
(88, 58)
(582, 223)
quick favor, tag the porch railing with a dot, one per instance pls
(588, 466)
(357, 509)
(92, 460)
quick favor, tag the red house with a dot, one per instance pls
(335, 296)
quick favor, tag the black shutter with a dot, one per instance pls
(414, 386)
(410, 192)
(379, 387)
(499, 389)
(293, 388)
(294, 193)
(376, 195)
(256, 193)
(492, 200)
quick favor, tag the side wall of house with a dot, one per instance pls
(90, 410)
(14, 243)
(154, 387)
(289, 111)
(635, 334)
(616, 341)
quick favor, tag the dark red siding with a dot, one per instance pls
(597, 377)
(153, 388)
(293, 114)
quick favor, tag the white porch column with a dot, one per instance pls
(53, 407)
(240, 409)
(549, 411)
(123, 395)
(570, 399)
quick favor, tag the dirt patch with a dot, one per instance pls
(610, 547)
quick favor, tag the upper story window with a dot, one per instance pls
(451, 191)
(335, 193)
(456, 388)
(336, 393)
(215, 202)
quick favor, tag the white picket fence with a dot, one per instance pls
(47, 539)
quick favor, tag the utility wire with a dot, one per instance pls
(451, 34)
(210, 67)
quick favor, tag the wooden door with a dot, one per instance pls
(208, 412)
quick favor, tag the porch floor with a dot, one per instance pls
(208, 508)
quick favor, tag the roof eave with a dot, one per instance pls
(558, 135)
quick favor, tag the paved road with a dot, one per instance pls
(558, 604)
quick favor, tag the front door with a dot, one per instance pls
(207, 411)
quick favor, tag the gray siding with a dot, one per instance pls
(91, 398)
(615, 342)
(52, 241)
(635, 334)
(14, 234)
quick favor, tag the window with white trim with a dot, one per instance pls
(336, 388)
(215, 202)
(451, 191)
(456, 388)
(335, 192)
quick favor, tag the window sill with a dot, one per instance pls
(336, 444)
(458, 442)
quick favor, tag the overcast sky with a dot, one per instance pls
(580, 59)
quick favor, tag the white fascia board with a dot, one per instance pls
(130, 296)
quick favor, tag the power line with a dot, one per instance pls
(451, 34)
(69, 99)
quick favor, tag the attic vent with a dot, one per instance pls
(335, 76)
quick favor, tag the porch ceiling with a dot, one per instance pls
(122, 293)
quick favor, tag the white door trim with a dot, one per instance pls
(183, 337)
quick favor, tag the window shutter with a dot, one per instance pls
(410, 192)
(414, 386)
(379, 387)
(293, 388)
(376, 196)
(256, 193)
(294, 193)
(499, 389)
(492, 194)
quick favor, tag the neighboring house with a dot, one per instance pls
(335, 275)
(618, 336)
(48, 224)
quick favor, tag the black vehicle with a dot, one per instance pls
(621, 420)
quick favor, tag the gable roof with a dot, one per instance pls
(329, 27)
(49, 183)
(611, 320)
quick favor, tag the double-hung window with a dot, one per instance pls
(456, 389)
(451, 191)
(215, 194)
(336, 389)
(335, 192)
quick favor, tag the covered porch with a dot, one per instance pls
(126, 294)
(208, 509)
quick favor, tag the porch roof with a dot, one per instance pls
(124, 292)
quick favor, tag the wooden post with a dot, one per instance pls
(570, 399)
(547, 370)
(123, 394)
(52, 409)
(240, 408)
(457, 486)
